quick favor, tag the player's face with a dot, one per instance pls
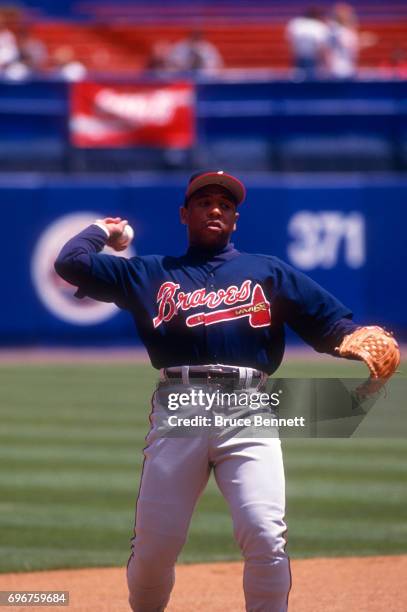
(210, 216)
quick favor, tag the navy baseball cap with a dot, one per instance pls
(216, 177)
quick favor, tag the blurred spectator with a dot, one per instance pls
(66, 66)
(8, 46)
(100, 59)
(307, 36)
(396, 65)
(158, 60)
(31, 59)
(194, 53)
(345, 42)
(32, 51)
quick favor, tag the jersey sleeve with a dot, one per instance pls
(106, 278)
(312, 312)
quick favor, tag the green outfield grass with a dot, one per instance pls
(70, 455)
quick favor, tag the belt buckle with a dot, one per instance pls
(213, 372)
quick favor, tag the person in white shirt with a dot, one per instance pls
(8, 46)
(345, 42)
(66, 66)
(307, 36)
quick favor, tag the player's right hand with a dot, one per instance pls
(115, 226)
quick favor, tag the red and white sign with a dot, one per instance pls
(117, 115)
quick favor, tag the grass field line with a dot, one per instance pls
(319, 487)
(344, 446)
(52, 355)
(72, 442)
(65, 479)
(98, 520)
(89, 456)
(76, 416)
(337, 530)
(102, 517)
(56, 432)
(332, 450)
(66, 554)
(68, 455)
(118, 521)
(392, 472)
(325, 488)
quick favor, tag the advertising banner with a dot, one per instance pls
(122, 115)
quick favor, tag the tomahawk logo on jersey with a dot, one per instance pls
(257, 309)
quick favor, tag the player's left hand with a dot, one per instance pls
(376, 347)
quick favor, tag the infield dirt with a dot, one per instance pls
(352, 584)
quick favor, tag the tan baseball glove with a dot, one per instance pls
(378, 349)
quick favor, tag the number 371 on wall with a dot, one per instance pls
(321, 239)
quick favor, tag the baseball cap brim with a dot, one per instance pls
(217, 177)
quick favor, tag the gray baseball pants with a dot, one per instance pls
(250, 474)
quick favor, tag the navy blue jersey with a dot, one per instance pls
(207, 307)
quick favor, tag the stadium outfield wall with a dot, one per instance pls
(346, 232)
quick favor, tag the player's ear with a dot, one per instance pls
(183, 215)
(237, 215)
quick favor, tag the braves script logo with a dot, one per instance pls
(257, 309)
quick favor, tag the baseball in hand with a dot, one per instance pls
(122, 242)
(128, 234)
(121, 234)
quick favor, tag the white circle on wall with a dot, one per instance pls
(56, 294)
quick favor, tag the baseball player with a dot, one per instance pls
(212, 315)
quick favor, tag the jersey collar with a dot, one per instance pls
(223, 254)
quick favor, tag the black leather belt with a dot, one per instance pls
(240, 377)
(205, 376)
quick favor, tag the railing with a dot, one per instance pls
(263, 124)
